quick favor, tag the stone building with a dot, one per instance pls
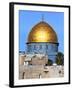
(33, 66)
(42, 39)
(42, 44)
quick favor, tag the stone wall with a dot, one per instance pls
(36, 67)
(21, 59)
(30, 72)
(39, 61)
(36, 59)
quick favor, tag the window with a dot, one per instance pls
(34, 46)
(59, 72)
(40, 46)
(23, 75)
(46, 46)
(40, 75)
(26, 63)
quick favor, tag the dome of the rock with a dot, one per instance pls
(42, 32)
(42, 39)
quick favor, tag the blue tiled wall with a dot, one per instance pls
(50, 49)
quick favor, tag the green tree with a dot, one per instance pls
(50, 62)
(60, 58)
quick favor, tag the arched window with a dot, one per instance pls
(23, 75)
(40, 46)
(40, 75)
(46, 46)
(34, 46)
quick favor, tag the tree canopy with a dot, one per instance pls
(50, 62)
(60, 59)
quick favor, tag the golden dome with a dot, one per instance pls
(42, 32)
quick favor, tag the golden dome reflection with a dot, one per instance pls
(42, 32)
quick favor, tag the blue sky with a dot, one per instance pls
(27, 19)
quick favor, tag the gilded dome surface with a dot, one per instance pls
(42, 32)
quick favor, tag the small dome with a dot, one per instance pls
(42, 32)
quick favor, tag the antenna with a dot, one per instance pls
(42, 17)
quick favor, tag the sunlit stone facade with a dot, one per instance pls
(33, 66)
